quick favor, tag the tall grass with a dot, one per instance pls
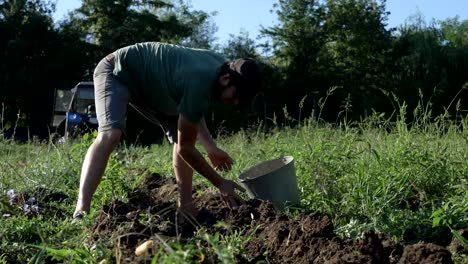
(408, 180)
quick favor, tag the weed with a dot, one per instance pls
(408, 180)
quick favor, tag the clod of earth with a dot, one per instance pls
(274, 237)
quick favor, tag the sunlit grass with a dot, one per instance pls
(407, 180)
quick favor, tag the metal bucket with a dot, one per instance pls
(273, 180)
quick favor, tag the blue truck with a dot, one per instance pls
(74, 111)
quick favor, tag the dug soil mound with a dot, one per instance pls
(269, 236)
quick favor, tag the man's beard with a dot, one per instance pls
(216, 92)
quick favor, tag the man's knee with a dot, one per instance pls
(177, 160)
(111, 136)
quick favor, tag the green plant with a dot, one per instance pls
(178, 253)
(66, 255)
(408, 180)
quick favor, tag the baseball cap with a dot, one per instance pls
(246, 76)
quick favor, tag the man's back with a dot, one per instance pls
(169, 78)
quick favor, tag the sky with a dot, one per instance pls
(249, 15)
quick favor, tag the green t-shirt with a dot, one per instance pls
(168, 78)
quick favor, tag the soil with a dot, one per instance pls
(150, 213)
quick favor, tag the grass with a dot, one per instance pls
(408, 180)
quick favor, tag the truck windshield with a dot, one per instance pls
(62, 100)
(84, 100)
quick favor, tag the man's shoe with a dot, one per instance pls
(78, 217)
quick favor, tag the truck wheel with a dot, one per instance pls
(60, 130)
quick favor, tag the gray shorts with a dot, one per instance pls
(112, 99)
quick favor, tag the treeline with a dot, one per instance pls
(336, 59)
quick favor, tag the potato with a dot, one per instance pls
(145, 248)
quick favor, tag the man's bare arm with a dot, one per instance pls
(204, 136)
(187, 136)
(220, 160)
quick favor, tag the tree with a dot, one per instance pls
(354, 56)
(324, 44)
(112, 24)
(299, 35)
(202, 36)
(455, 40)
(429, 67)
(296, 42)
(28, 40)
(240, 46)
(455, 32)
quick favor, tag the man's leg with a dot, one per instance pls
(184, 176)
(94, 165)
(111, 98)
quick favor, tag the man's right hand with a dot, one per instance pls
(228, 193)
(187, 136)
(220, 159)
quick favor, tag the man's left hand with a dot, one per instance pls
(221, 160)
(228, 193)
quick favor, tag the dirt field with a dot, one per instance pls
(273, 237)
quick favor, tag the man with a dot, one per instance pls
(176, 84)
